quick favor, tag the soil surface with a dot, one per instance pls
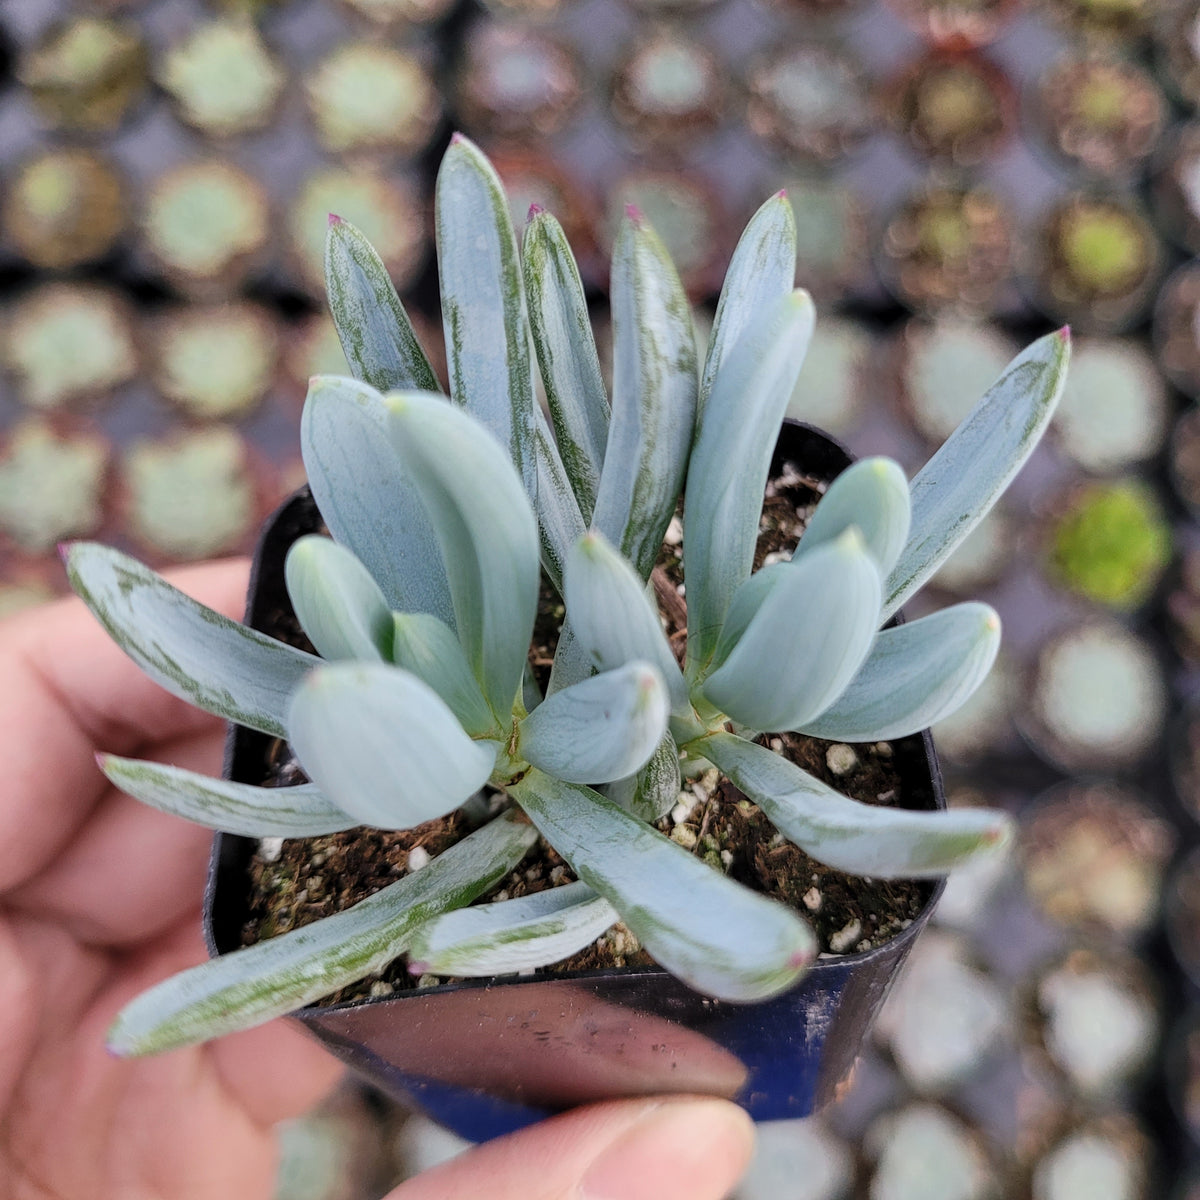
(303, 879)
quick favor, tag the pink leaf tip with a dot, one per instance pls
(634, 213)
(457, 137)
(781, 194)
(334, 219)
(1065, 334)
(801, 959)
(534, 210)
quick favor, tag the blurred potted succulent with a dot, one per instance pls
(448, 516)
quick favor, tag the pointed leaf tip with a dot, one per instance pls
(802, 300)
(333, 219)
(535, 210)
(851, 540)
(649, 685)
(634, 213)
(456, 138)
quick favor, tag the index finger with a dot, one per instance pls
(69, 691)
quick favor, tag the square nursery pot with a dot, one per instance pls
(487, 1056)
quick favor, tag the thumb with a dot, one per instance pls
(676, 1148)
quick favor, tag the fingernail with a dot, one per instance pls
(680, 1150)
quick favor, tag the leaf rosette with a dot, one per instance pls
(445, 513)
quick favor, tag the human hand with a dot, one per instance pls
(658, 1148)
(99, 899)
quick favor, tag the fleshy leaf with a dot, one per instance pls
(250, 986)
(612, 616)
(863, 839)
(426, 647)
(761, 272)
(486, 529)
(337, 602)
(531, 690)
(383, 746)
(915, 675)
(728, 468)
(870, 496)
(511, 935)
(959, 484)
(806, 642)
(300, 811)
(571, 661)
(654, 397)
(566, 353)
(654, 790)
(351, 465)
(717, 936)
(192, 651)
(376, 335)
(483, 303)
(747, 600)
(601, 729)
(560, 522)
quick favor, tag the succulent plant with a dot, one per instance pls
(446, 512)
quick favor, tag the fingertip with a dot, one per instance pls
(689, 1148)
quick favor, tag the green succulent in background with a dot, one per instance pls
(1112, 543)
(444, 514)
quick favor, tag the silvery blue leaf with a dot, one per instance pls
(486, 530)
(250, 986)
(871, 496)
(192, 651)
(300, 811)
(612, 616)
(376, 334)
(572, 663)
(511, 935)
(336, 601)
(718, 937)
(425, 646)
(654, 790)
(805, 643)
(654, 397)
(747, 600)
(915, 675)
(351, 464)
(959, 484)
(566, 353)
(761, 272)
(383, 746)
(864, 839)
(601, 729)
(483, 303)
(728, 468)
(531, 691)
(560, 522)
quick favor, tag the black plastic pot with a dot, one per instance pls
(488, 1056)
